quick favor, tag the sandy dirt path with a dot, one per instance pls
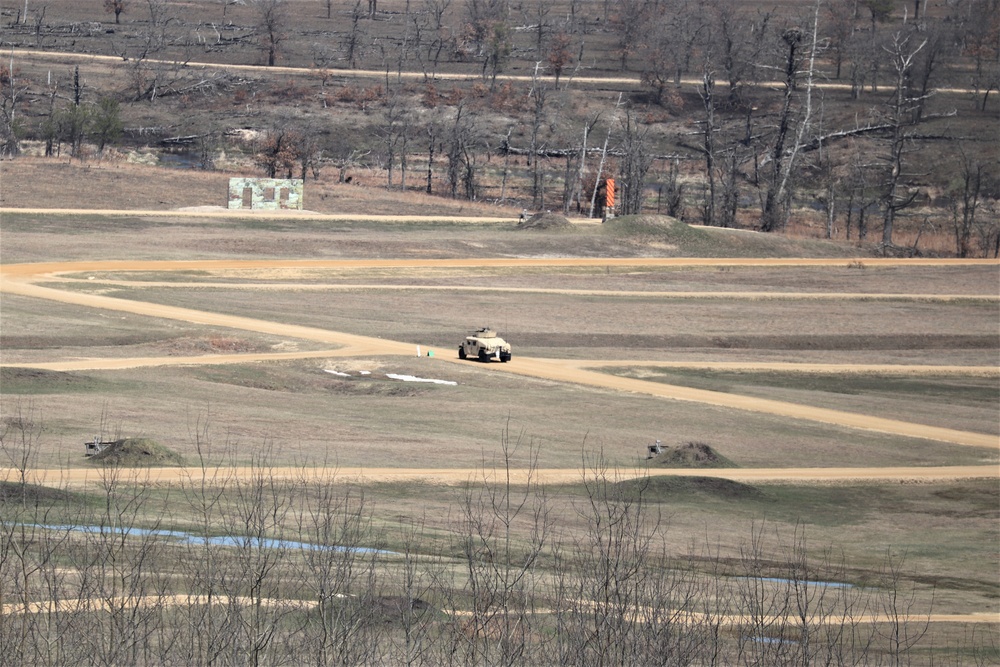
(35, 272)
(86, 605)
(76, 477)
(626, 81)
(899, 370)
(19, 279)
(282, 215)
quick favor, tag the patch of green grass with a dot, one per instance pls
(33, 494)
(847, 505)
(32, 381)
(963, 390)
(828, 506)
(714, 242)
(665, 489)
(646, 228)
(76, 224)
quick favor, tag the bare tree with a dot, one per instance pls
(669, 46)
(965, 203)
(707, 146)
(928, 61)
(19, 435)
(116, 7)
(616, 592)
(777, 198)
(460, 150)
(12, 92)
(559, 56)
(279, 152)
(436, 10)
(979, 39)
(840, 16)
(674, 191)
(482, 16)
(772, 213)
(205, 492)
(497, 49)
(340, 571)
(900, 108)
(540, 17)
(117, 572)
(574, 182)
(879, 12)
(156, 33)
(354, 36)
(395, 134)
(629, 23)
(905, 628)
(538, 95)
(270, 17)
(260, 504)
(634, 166)
(501, 564)
(736, 42)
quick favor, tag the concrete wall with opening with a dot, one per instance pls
(265, 193)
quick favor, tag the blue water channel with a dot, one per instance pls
(217, 540)
(806, 582)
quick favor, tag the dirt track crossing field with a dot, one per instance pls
(61, 283)
(21, 279)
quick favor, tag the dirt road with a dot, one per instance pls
(283, 215)
(76, 477)
(86, 605)
(20, 279)
(568, 80)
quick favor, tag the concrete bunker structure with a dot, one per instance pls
(265, 194)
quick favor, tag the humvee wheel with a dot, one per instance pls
(483, 356)
(461, 352)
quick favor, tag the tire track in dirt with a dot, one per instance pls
(78, 477)
(688, 295)
(18, 279)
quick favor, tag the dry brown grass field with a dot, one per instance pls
(937, 316)
(259, 368)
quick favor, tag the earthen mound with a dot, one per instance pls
(690, 455)
(31, 493)
(137, 453)
(547, 220)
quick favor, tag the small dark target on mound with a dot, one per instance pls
(690, 455)
(544, 221)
